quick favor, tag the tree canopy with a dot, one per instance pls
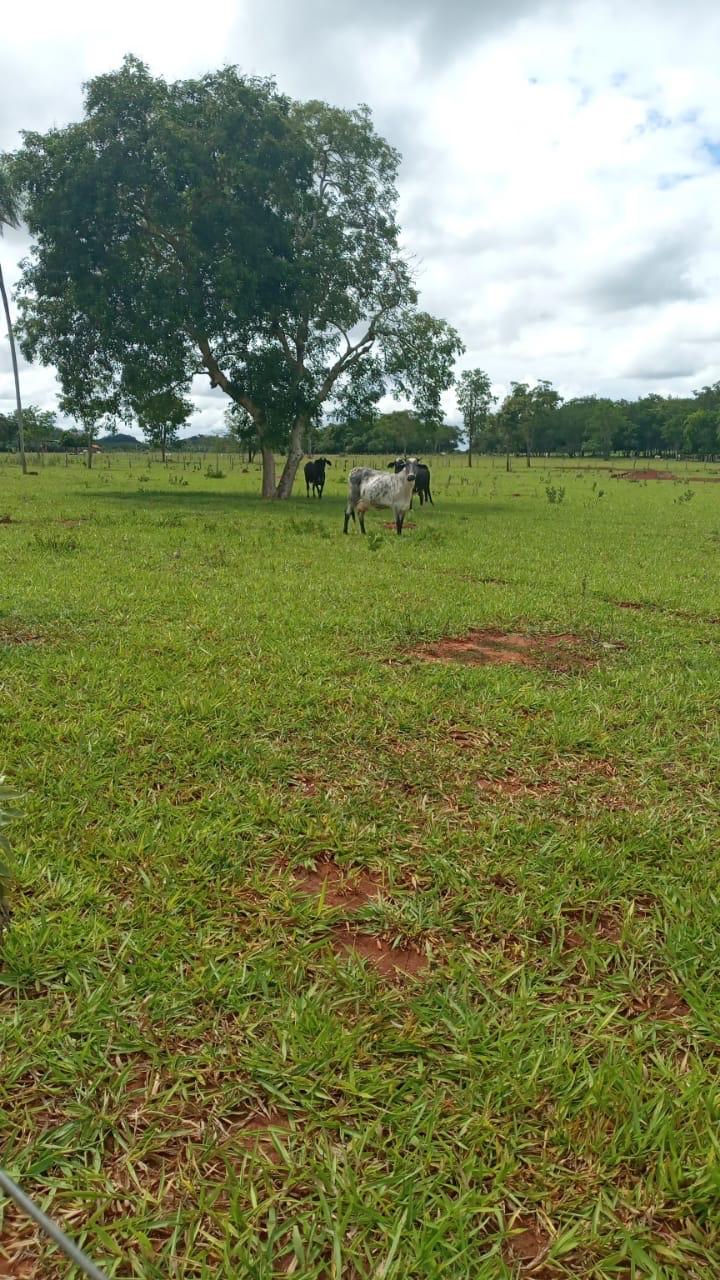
(214, 225)
(475, 401)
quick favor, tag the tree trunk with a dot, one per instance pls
(507, 460)
(294, 458)
(268, 472)
(89, 452)
(16, 376)
(162, 448)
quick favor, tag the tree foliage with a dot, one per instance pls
(214, 225)
(475, 400)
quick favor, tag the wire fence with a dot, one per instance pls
(68, 1246)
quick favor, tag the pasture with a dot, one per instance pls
(336, 958)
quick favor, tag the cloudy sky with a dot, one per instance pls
(560, 188)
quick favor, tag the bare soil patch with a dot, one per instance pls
(650, 606)
(563, 651)
(635, 605)
(606, 926)
(526, 1245)
(19, 1245)
(350, 890)
(307, 783)
(511, 784)
(502, 883)
(7, 520)
(12, 633)
(663, 1004)
(468, 739)
(390, 524)
(651, 473)
(388, 960)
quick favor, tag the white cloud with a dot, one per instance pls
(558, 191)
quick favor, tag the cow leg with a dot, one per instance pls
(349, 511)
(399, 518)
(429, 497)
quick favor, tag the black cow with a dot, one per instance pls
(315, 476)
(422, 478)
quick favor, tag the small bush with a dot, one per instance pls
(214, 473)
(555, 494)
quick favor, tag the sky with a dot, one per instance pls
(560, 184)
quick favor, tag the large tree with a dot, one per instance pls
(10, 217)
(242, 428)
(160, 415)
(475, 399)
(214, 226)
(528, 414)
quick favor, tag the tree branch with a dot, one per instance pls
(219, 379)
(296, 362)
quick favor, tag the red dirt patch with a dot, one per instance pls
(390, 524)
(605, 925)
(18, 1245)
(651, 473)
(650, 606)
(564, 651)
(511, 784)
(350, 890)
(665, 1004)
(254, 1129)
(468, 739)
(387, 960)
(10, 633)
(502, 883)
(307, 783)
(527, 1244)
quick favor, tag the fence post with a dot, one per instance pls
(69, 1248)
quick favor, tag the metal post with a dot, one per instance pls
(66, 1244)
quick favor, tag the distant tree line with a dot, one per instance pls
(529, 421)
(536, 420)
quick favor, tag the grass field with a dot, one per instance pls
(331, 961)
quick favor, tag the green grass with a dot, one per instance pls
(202, 693)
